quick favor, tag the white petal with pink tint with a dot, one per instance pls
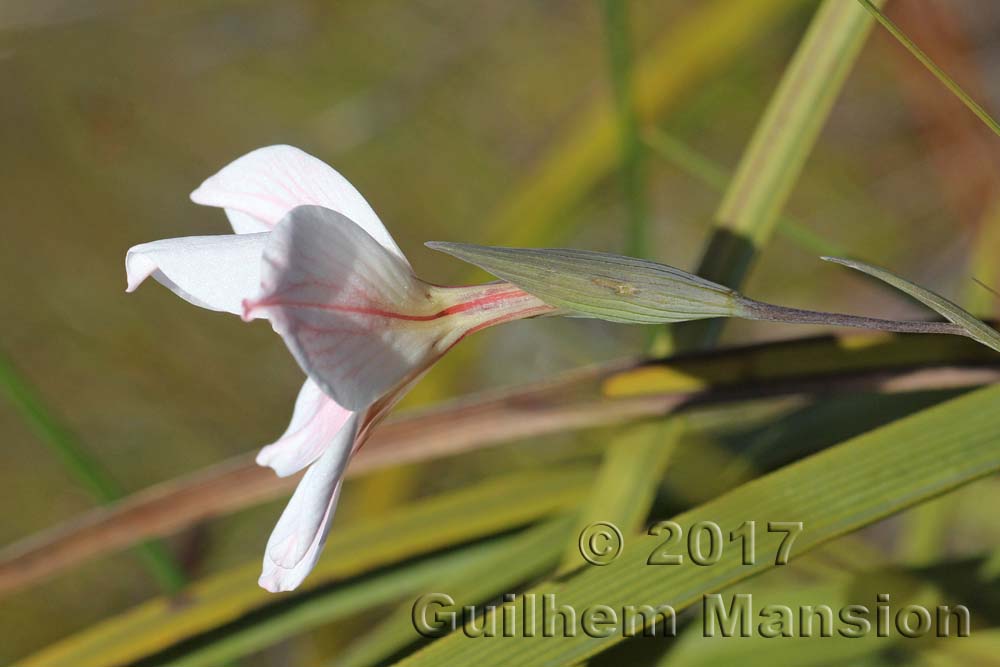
(345, 306)
(307, 514)
(315, 423)
(214, 272)
(275, 579)
(258, 189)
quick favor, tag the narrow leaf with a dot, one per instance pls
(974, 328)
(832, 493)
(616, 28)
(781, 143)
(702, 39)
(532, 553)
(420, 528)
(625, 487)
(517, 558)
(77, 460)
(925, 60)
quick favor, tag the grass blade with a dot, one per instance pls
(518, 557)
(420, 528)
(702, 39)
(625, 486)
(832, 493)
(975, 328)
(530, 554)
(617, 33)
(949, 83)
(75, 458)
(769, 167)
(572, 401)
(714, 176)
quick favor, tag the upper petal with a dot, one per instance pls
(316, 420)
(306, 517)
(352, 313)
(258, 189)
(214, 272)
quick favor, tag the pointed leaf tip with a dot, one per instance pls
(975, 328)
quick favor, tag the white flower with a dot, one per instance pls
(311, 255)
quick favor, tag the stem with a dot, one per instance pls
(758, 310)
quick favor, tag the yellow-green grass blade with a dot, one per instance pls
(529, 555)
(772, 362)
(771, 164)
(980, 648)
(702, 39)
(949, 83)
(695, 649)
(715, 177)
(980, 295)
(420, 528)
(832, 493)
(619, 47)
(625, 486)
(567, 402)
(525, 555)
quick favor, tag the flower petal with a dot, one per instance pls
(306, 518)
(260, 188)
(352, 313)
(315, 423)
(275, 579)
(214, 272)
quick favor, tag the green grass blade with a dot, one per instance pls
(422, 527)
(981, 113)
(832, 493)
(531, 554)
(976, 329)
(526, 554)
(628, 463)
(702, 39)
(618, 36)
(75, 458)
(839, 590)
(748, 213)
(714, 176)
(625, 486)
(625, 469)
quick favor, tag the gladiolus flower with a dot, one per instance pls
(310, 255)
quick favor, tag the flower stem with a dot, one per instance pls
(758, 310)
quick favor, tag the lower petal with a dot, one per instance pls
(308, 513)
(316, 420)
(276, 579)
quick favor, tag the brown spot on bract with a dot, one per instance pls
(616, 286)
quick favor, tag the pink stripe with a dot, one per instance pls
(249, 306)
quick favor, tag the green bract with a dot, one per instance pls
(601, 285)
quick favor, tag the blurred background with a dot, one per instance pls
(478, 122)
